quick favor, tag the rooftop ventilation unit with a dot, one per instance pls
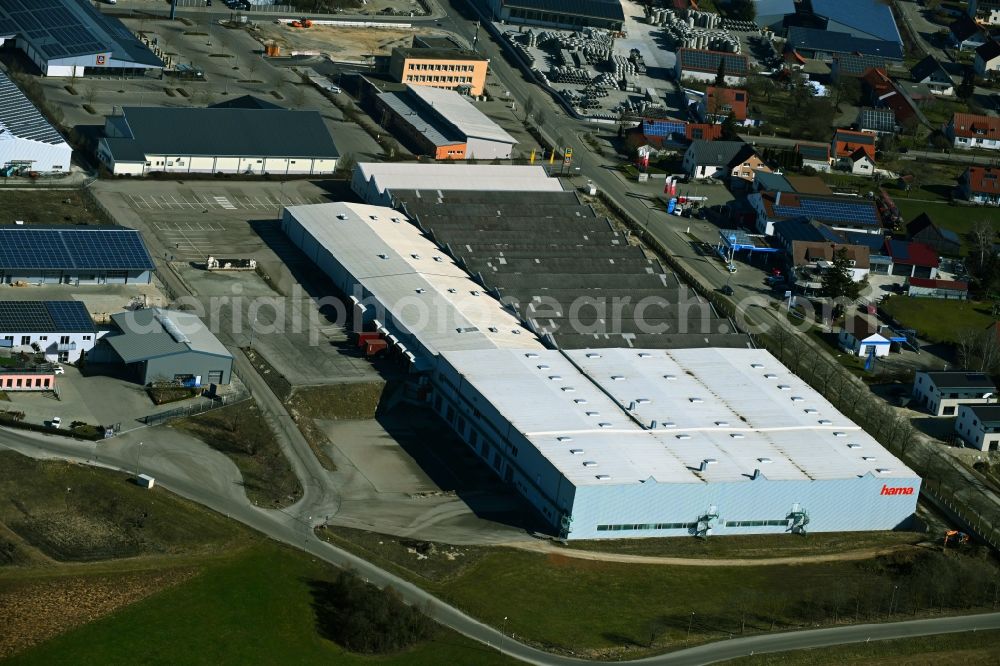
(602, 477)
(171, 328)
(589, 463)
(853, 446)
(706, 462)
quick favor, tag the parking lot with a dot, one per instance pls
(171, 202)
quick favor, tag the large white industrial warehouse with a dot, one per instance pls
(27, 140)
(609, 442)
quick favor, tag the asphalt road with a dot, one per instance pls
(296, 530)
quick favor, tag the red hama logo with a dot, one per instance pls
(886, 490)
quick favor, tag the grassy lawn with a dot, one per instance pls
(76, 513)
(48, 207)
(242, 433)
(252, 608)
(981, 648)
(625, 610)
(752, 547)
(938, 320)
(955, 218)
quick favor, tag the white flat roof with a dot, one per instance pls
(411, 176)
(420, 285)
(461, 114)
(738, 407)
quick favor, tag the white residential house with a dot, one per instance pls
(979, 426)
(967, 130)
(985, 11)
(62, 330)
(858, 163)
(987, 63)
(860, 336)
(941, 393)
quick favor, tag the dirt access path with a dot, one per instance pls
(846, 556)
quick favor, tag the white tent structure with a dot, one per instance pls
(27, 139)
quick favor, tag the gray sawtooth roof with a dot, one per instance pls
(227, 132)
(156, 332)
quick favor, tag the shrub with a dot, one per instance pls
(362, 618)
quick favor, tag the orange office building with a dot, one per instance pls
(456, 69)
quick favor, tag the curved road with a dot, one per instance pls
(298, 532)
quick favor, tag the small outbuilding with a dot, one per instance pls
(860, 336)
(946, 289)
(165, 345)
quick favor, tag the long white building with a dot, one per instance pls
(374, 181)
(610, 442)
(27, 140)
(217, 139)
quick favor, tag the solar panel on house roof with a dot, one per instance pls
(69, 315)
(831, 211)
(87, 248)
(44, 316)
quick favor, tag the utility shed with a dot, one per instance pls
(26, 137)
(165, 345)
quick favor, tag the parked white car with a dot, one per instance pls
(59, 370)
(56, 422)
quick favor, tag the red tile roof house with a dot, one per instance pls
(854, 151)
(912, 259)
(981, 185)
(723, 101)
(967, 130)
(884, 93)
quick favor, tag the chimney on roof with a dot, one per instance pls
(756, 474)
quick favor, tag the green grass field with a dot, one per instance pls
(939, 320)
(254, 608)
(954, 218)
(981, 648)
(630, 609)
(49, 207)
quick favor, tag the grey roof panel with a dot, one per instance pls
(156, 332)
(841, 42)
(871, 17)
(20, 118)
(235, 132)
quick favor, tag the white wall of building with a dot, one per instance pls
(44, 157)
(57, 347)
(930, 397)
(973, 432)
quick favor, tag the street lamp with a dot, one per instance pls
(138, 457)
(690, 622)
(503, 632)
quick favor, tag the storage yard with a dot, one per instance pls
(358, 45)
(603, 75)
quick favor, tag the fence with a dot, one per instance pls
(199, 407)
(253, 8)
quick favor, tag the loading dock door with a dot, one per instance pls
(215, 377)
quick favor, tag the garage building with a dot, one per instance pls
(165, 345)
(73, 255)
(245, 140)
(73, 38)
(28, 142)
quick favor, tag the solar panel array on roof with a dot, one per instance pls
(21, 119)
(44, 316)
(114, 248)
(708, 61)
(839, 211)
(52, 27)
